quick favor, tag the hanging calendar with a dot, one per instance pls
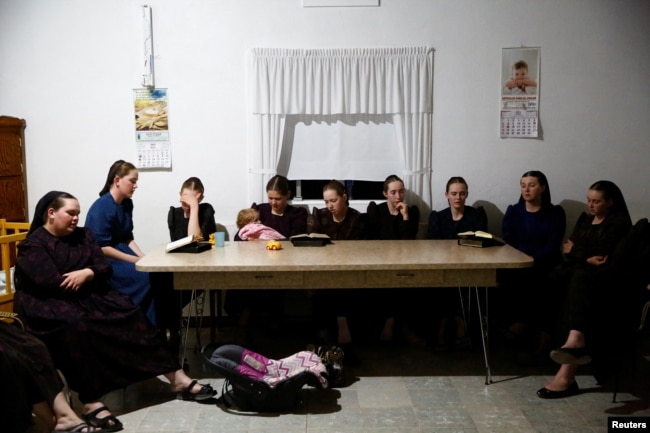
(153, 149)
(519, 93)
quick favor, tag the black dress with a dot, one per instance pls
(177, 222)
(594, 298)
(27, 375)
(403, 304)
(97, 337)
(171, 302)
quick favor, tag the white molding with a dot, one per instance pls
(338, 3)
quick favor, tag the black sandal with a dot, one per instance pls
(107, 424)
(205, 393)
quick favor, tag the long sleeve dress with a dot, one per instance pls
(177, 222)
(292, 222)
(169, 303)
(577, 276)
(112, 225)
(593, 299)
(351, 228)
(382, 225)
(525, 293)
(97, 337)
(328, 304)
(27, 375)
(442, 224)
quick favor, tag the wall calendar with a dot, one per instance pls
(519, 93)
(153, 149)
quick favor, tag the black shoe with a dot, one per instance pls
(548, 394)
(570, 355)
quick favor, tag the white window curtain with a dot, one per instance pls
(320, 82)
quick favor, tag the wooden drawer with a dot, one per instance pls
(405, 278)
(238, 280)
(334, 279)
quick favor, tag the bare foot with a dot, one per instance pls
(65, 423)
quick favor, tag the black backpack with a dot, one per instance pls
(255, 383)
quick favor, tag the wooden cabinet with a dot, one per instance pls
(13, 179)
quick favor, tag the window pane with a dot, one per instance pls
(356, 189)
(360, 147)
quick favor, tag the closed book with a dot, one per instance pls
(310, 240)
(479, 239)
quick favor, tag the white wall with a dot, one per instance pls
(69, 66)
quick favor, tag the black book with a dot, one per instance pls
(479, 239)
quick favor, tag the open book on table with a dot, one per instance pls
(310, 240)
(479, 239)
(189, 244)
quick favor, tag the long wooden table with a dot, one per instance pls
(342, 265)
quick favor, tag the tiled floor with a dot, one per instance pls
(404, 389)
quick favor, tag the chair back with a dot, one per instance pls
(11, 317)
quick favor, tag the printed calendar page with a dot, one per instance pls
(519, 93)
(153, 149)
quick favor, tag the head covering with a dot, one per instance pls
(41, 208)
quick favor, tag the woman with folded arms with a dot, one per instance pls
(97, 337)
(586, 256)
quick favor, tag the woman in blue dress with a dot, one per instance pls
(111, 220)
(536, 227)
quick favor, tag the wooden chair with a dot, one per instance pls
(11, 233)
(11, 317)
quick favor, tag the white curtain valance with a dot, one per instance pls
(342, 81)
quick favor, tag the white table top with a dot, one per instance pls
(340, 255)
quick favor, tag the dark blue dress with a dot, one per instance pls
(527, 293)
(112, 225)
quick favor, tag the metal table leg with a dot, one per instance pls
(483, 321)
